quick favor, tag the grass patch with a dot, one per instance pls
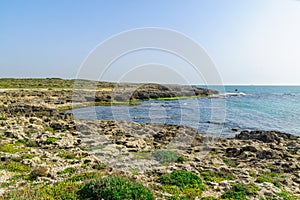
(286, 196)
(60, 190)
(115, 188)
(11, 148)
(13, 166)
(67, 155)
(51, 140)
(67, 189)
(70, 155)
(85, 176)
(68, 170)
(270, 178)
(49, 129)
(212, 176)
(99, 166)
(28, 156)
(240, 192)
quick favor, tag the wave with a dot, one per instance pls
(230, 94)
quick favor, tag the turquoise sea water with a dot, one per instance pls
(240, 107)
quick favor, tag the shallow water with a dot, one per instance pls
(241, 107)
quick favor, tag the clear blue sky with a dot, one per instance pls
(250, 41)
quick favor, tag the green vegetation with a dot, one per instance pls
(13, 166)
(165, 156)
(84, 176)
(51, 140)
(59, 191)
(286, 196)
(212, 176)
(229, 162)
(99, 166)
(270, 177)
(240, 192)
(28, 156)
(31, 143)
(3, 118)
(70, 155)
(209, 198)
(115, 188)
(67, 155)
(69, 170)
(182, 183)
(67, 189)
(49, 129)
(266, 179)
(35, 83)
(12, 148)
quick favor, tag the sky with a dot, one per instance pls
(249, 41)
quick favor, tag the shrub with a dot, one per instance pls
(181, 178)
(180, 159)
(115, 188)
(185, 182)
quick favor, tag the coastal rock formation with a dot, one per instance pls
(40, 144)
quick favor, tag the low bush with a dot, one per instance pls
(182, 182)
(115, 188)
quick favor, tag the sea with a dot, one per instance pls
(236, 108)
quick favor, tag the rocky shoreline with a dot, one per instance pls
(42, 145)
